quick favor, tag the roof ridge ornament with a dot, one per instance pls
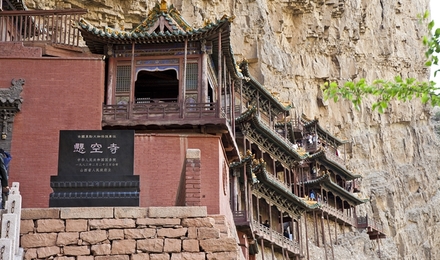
(163, 6)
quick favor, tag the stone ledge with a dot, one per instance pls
(177, 212)
(87, 213)
(131, 212)
(40, 213)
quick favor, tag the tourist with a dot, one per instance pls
(266, 224)
(286, 233)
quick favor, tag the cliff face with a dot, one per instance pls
(293, 47)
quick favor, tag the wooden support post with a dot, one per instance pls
(330, 236)
(270, 222)
(336, 229)
(307, 238)
(219, 72)
(185, 62)
(232, 101)
(315, 229)
(273, 251)
(378, 244)
(111, 80)
(323, 236)
(132, 83)
(258, 210)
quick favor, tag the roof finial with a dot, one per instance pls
(163, 6)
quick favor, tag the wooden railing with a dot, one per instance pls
(51, 26)
(275, 237)
(338, 214)
(331, 154)
(153, 110)
(365, 222)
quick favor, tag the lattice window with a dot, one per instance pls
(123, 79)
(192, 76)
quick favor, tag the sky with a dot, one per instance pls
(435, 15)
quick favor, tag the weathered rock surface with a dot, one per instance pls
(295, 46)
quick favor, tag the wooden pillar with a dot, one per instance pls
(248, 196)
(224, 87)
(258, 102)
(249, 206)
(336, 229)
(273, 251)
(233, 107)
(315, 229)
(234, 192)
(330, 237)
(204, 85)
(111, 81)
(274, 166)
(185, 61)
(219, 74)
(262, 248)
(132, 80)
(241, 97)
(307, 238)
(270, 222)
(378, 244)
(282, 232)
(323, 235)
(258, 210)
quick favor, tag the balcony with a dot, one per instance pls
(270, 236)
(374, 229)
(338, 215)
(163, 113)
(35, 28)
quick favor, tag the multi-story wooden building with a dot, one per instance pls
(275, 176)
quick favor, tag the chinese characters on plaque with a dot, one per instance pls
(95, 168)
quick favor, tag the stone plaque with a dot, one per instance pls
(95, 168)
(106, 152)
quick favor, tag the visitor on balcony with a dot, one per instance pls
(266, 223)
(286, 233)
(312, 195)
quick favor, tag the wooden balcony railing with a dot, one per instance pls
(49, 26)
(276, 238)
(338, 214)
(365, 222)
(165, 110)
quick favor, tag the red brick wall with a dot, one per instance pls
(159, 160)
(59, 94)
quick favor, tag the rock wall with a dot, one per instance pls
(108, 233)
(293, 47)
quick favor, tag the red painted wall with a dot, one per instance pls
(159, 160)
(58, 94)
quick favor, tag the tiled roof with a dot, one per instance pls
(18, 5)
(326, 182)
(275, 103)
(264, 176)
(162, 25)
(250, 115)
(321, 131)
(337, 167)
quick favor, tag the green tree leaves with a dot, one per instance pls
(384, 90)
